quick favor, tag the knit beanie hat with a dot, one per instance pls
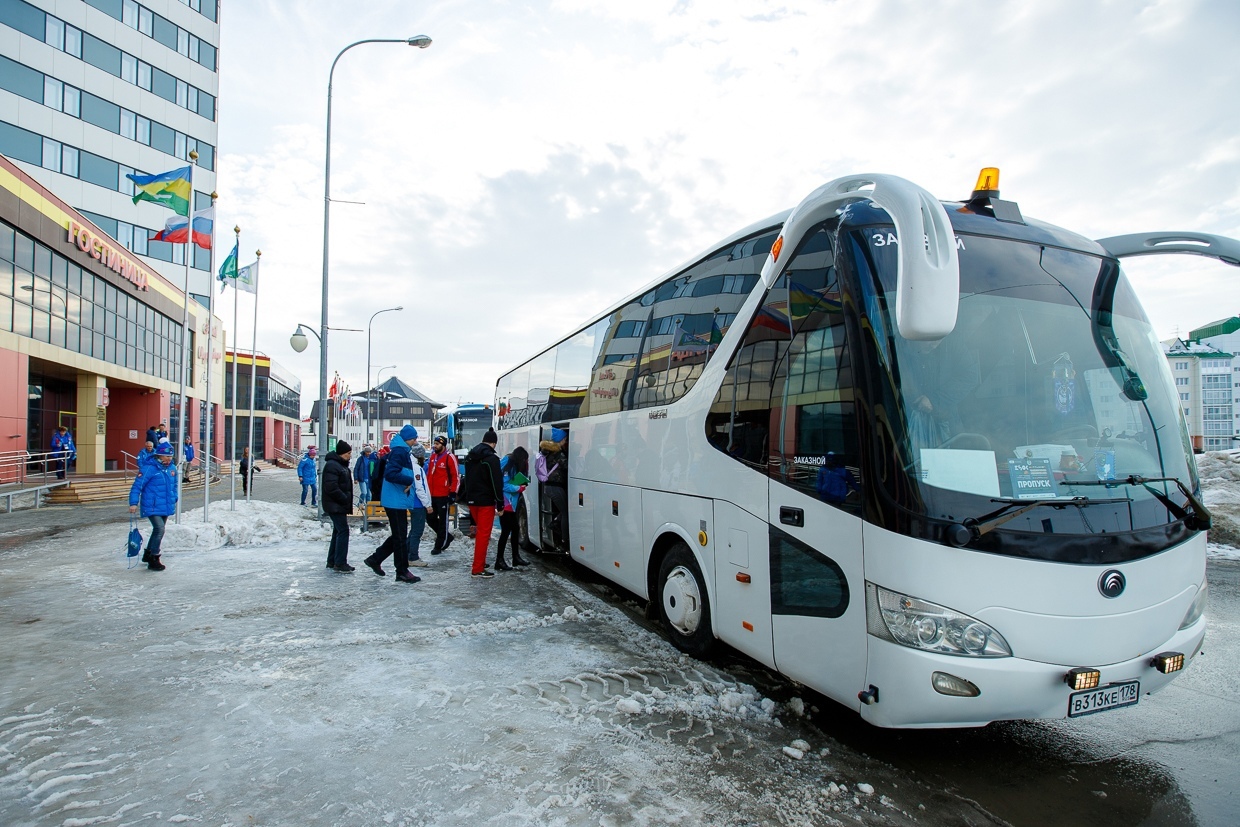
(408, 432)
(343, 447)
(489, 437)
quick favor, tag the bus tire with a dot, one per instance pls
(683, 602)
(523, 528)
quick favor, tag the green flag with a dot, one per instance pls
(228, 270)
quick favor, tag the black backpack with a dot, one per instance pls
(376, 478)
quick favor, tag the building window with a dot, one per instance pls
(69, 160)
(73, 101)
(54, 33)
(53, 93)
(51, 155)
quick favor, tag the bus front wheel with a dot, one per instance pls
(683, 602)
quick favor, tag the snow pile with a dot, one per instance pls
(254, 523)
(1220, 486)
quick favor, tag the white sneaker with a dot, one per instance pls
(419, 563)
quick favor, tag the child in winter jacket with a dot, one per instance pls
(156, 490)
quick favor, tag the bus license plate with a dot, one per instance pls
(1112, 696)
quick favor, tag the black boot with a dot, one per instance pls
(146, 555)
(500, 565)
(375, 567)
(518, 560)
(154, 565)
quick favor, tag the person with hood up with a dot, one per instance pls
(338, 504)
(551, 468)
(309, 476)
(156, 490)
(484, 494)
(518, 462)
(404, 496)
(362, 469)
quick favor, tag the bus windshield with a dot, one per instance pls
(1052, 376)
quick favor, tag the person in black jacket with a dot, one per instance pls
(484, 493)
(338, 504)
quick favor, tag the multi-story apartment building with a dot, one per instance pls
(1225, 335)
(91, 90)
(1203, 378)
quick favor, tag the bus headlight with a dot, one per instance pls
(1198, 608)
(930, 627)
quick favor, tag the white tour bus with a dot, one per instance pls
(943, 483)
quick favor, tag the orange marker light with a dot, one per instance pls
(741, 577)
(747, 625)
(776, 247)
(987, 180)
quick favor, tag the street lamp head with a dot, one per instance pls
(298, 340)
(421, 41)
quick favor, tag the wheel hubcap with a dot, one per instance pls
(682, 602)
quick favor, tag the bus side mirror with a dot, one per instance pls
(928, 273)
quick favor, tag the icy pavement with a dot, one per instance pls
(248, 685)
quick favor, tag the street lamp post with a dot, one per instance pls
(421, 41)
(368, 394)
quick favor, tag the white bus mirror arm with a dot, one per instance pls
(1226, 250)
(928, 274)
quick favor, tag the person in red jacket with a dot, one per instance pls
(443, 477)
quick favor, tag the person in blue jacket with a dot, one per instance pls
(189, 455)
(362, 469)
(63, 450)
(835, 481)
(518, 462)
(156, 489)
(147, 454)
(309, 476)
(406, 500)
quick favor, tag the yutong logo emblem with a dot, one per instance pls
(1111, 583)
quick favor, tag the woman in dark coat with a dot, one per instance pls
(338, 504)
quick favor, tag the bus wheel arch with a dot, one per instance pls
(680, 597)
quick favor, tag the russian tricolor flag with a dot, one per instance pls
(176, 229)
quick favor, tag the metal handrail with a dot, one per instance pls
(18, 464)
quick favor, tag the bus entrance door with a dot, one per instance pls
(817, 594)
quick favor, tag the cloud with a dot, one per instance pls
(541, 161)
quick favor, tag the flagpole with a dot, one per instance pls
(179, 450)
(206, 426)
(254, 378)
(233, 421)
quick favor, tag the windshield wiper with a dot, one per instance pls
(975, 527)
(1196, 516)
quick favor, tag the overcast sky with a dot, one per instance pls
(544, 159)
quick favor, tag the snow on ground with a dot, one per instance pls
(248, 685)
(1220, 486)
